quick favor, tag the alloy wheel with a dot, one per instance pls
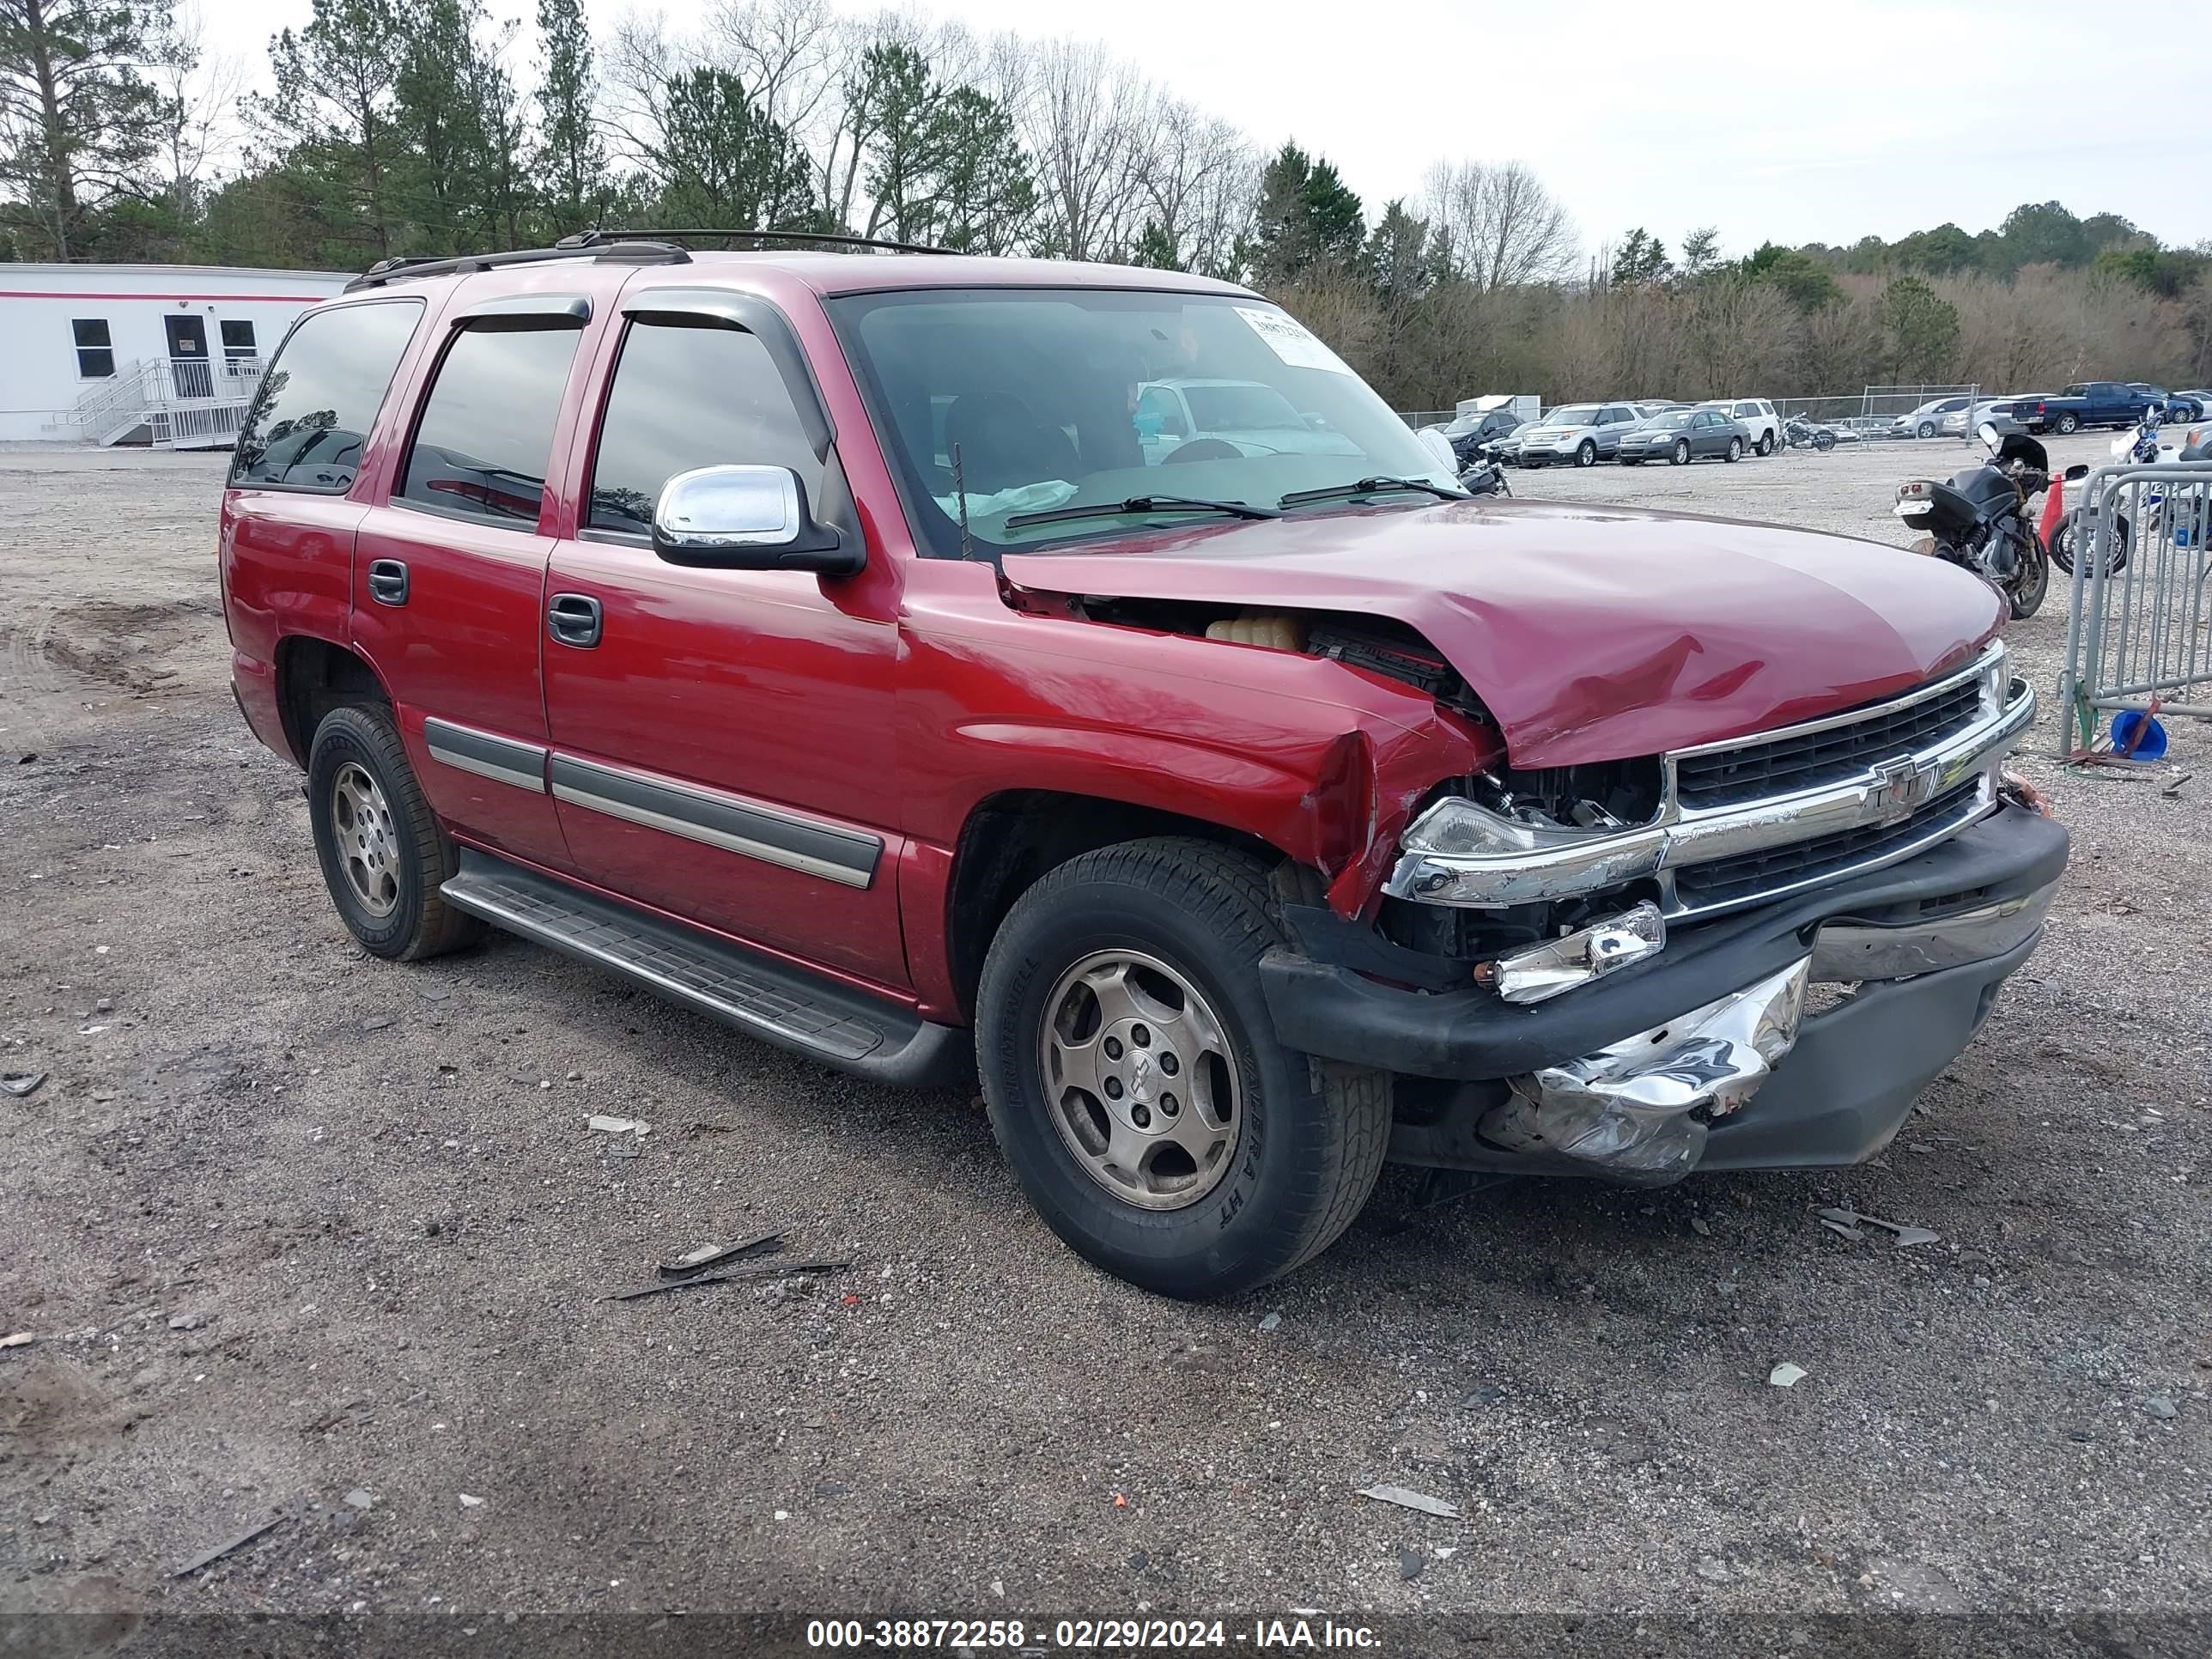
(1138, 1079)
(367, 843)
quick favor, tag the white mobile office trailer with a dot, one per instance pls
(165, 354)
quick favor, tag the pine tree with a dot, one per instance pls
(571, 161)
(78, 121)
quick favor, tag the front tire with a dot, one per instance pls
(1587, 454)
(1230, 1167)
(1926, 429)
(2026, 594)
(383, 853)
(1682, 455)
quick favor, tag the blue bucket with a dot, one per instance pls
(2150, 746)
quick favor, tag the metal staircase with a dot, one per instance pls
(175, 402)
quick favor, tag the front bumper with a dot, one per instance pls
(1929, 940)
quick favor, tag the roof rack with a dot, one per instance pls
(586, 239)
(404, 268)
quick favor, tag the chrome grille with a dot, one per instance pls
(1781, 765)
(1724, 881)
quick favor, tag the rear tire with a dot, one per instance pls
(1767, 445)
(1309, 1139)
(1824, 442)
(2068, 423)
(383, 853)
(1735, 449)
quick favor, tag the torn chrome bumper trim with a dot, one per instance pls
(1636, 1111)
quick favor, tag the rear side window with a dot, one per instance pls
(485, 436)
(307, 428)
(687, 397)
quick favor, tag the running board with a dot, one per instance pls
(757, 994)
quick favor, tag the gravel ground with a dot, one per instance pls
(296, 1231)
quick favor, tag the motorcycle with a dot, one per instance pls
(1483, 475)
(1979, 520)
(2147, 445)
(1800, 434)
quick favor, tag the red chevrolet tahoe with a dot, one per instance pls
(1077, 674)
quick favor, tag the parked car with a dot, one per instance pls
(864, 682)
(2087, 403)
(1580, 434)
(1683, 435)
(2173, 407)
(1927, 420)
(1505, 449)
(1253, 418)
(1469, 432)
(1997, 413)
(1761, 425)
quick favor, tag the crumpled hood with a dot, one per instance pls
(1592, 633)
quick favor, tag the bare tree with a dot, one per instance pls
(1505, 228)
(1082, 119)
(199, 93)
(1200, 180)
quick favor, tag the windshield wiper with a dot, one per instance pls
(1141, 504)
(1368, 487)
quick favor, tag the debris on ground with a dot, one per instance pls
(20, 1084)
(1787, 1375)
(1410, 1564)
(1849, 1222)
(1713, 1572)
(378, 1022)
(1273, 1321)
(1699, 1226)
(226, 1546)
(19, 1340)
(471, 1501)
(714, 1255)
(2159, 1405)
(362, 1499)
(728, 1275)
(1406, 1499)
(185, 1322)
(618, 1126)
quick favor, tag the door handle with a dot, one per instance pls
(387, 581)
(573, 619)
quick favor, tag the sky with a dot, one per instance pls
(1790, 121)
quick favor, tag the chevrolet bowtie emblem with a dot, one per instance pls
(1901, 788)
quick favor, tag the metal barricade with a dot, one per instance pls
(2138, 627)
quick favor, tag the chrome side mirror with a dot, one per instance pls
(746, 518)
(1987, 432)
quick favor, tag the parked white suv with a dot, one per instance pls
(1756, 415)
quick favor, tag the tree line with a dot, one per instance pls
(395, 127)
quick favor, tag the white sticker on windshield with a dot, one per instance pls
(1289, 339)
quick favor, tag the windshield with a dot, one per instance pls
(1670, 420)
(1011, 401)
(1579, 414)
